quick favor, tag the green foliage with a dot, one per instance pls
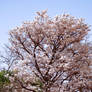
(4, 80)
(37, 83)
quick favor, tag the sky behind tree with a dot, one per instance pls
(14, 12)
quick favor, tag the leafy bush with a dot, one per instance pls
(4, 79)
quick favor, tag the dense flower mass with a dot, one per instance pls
(51, 55)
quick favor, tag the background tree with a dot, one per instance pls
(51, 54)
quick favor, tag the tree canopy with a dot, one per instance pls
(51, 55)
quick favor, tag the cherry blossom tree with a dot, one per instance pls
(52, 55)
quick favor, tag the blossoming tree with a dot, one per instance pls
(51, 54)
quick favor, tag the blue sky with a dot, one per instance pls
(14, 12)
